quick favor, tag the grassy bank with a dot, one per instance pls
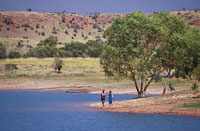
(75, 71)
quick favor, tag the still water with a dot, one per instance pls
(30, 110)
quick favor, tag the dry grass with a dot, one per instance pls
(76, 71)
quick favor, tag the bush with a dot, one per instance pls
(63, 19)
(191, 23)
(171, 86)
(2, 51)
(8, 21)
(11, 67)
(19, 45)
(94, 49)
(195, 86)
(66, 32)
(37, 26)
(29, 9)
(43, 33)
(196, 73)
(58, 63)
(54, 32)
(14, 54)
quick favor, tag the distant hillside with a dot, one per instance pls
(21, 30)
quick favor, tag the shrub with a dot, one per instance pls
(196, 73)
(66, 32)
(75, 30)
(58, 63)
(2, 51)
(14, 54)
(43, 33)
(63, 19)
(195, 86)
(54, 32)
(25, 37)
(29, 9)
(8, 21)
(37, 26)
(19, 45)
(11, 67)
(94, 49)
(171, 86)
(191, 23)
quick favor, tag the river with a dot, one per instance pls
(34, 110)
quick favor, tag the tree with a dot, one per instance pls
(14, 54)
(58, 63)
(141, 47)
(180, 46)
(46, 48)
(2, 51)
(94, 49)
(131, 51)
(29, 9)
(51, 41)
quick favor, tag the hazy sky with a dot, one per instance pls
(102, 6)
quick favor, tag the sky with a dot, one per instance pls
(85, 7)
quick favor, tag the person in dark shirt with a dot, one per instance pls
(103, 97)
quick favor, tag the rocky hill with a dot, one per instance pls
(21, 30)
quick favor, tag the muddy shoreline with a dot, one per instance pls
(150, 105)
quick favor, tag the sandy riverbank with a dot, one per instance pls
(155, 105)
(67, 85)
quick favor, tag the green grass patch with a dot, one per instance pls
(195, 105)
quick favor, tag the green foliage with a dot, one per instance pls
(158, 78)
(196, 73)
(77, 49)
(171, 86)
(46, 48)
(194, 105)
(2, 51)
(58, 63)
(94, 49)
(51, 41)
(14, 54)
(141, 47)
(195, 86)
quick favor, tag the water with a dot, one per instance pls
(28, 110)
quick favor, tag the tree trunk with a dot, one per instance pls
(152, 78)
(142, 83)
(165, 86)
(136, 86)
(166, 80)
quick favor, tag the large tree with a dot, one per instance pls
(180, 45)
(131, 51)
(141, 47)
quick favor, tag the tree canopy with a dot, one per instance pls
(141, 47)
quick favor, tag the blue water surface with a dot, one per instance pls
(31, 110)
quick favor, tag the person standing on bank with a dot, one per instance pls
(103, 97)
(110, 96)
